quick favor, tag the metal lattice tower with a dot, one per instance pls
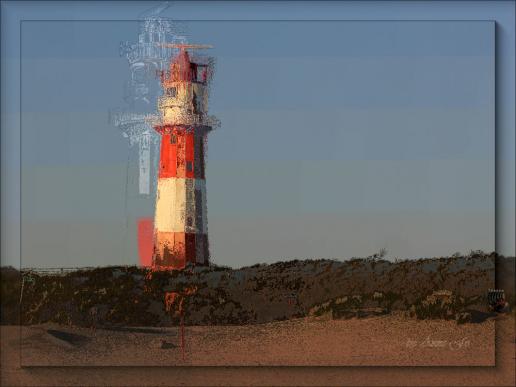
(146, 57)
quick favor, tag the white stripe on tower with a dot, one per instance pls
(176, 205)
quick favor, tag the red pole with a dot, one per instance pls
(182, 336)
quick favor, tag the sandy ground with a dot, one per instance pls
(376, 341)
(380, 341)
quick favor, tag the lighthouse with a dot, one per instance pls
(180, 220)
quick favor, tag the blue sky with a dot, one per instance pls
(338, 138)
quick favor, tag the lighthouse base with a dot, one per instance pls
(174, 250)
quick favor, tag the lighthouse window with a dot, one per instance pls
(195, 102)
(189, 166)
(202, 74)
(173, 139)
(171, 91)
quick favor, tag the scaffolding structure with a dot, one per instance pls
(146, 57)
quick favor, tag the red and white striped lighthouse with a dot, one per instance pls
(180, 222)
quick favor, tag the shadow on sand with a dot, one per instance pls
(70, 338)
(478, 317)
(156, 331)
